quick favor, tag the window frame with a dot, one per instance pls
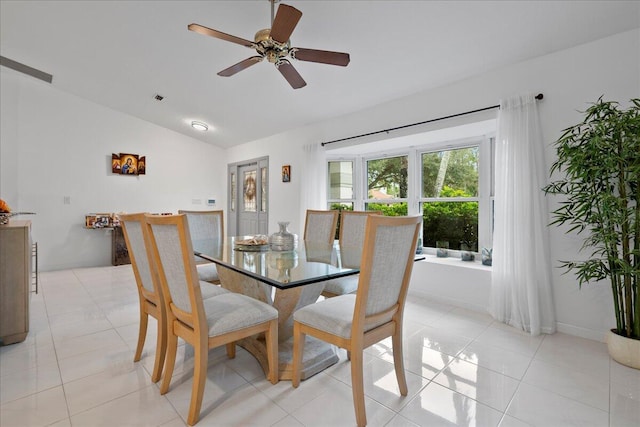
(414, 199)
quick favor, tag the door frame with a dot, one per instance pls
(233, 203)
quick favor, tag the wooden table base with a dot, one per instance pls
(317, 356)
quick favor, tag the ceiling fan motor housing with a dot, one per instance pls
(269, 48)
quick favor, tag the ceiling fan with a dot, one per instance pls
(274, 45)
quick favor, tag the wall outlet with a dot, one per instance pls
(196, 201)
(66, 200)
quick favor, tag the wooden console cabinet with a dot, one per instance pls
(15, 281)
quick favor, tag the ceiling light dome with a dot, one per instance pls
(199, 126)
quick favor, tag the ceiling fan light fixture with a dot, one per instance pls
(274, 45)
(199, 126)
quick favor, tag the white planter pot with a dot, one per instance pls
(624, 350)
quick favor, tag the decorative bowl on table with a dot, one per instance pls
(252, 243)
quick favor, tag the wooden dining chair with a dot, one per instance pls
(205, 226)
(204, 324)
(355, 322)
(149, 290)
(351, 237)
(149, 293)
(320, 226)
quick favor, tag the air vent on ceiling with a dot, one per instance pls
(25, 69)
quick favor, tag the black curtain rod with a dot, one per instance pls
(538, 97)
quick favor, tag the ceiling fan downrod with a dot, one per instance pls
(273, 3)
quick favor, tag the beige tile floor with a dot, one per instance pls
(463, 369)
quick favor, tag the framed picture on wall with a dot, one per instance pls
(128, 164)
(142, 165)
(115, 163)
(286, 173)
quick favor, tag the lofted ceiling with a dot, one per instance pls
(120, 54)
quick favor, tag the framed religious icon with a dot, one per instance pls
(286, 173)
(128, 164)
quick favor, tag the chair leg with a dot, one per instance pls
(161, 351)
(231, 350)
(201, 352)
(357, 387)
(398, 360)
(170, 361)
(298, 350)
(142, 333)
(271, 340)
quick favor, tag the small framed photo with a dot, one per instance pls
(102, 220)
(286, 173)
(89, 221)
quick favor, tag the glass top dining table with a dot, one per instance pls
(290, 279)
(308, 263)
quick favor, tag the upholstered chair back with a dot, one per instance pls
(172, 247)
(352, 230)
(134, 237)
(320, 226)
(386, 265)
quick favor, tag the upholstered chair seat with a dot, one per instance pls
(340, 286)
(208, 273)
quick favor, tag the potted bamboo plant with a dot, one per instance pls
(599, 161)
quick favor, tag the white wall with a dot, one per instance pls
(53, 145)
(569, 80)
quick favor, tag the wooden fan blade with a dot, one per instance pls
(228, 72)
(322, 56)
(219, 35)
(293, 77)
(285, 21)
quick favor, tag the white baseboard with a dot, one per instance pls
(581, 332)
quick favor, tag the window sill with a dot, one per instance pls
(455, 262)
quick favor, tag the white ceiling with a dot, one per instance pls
(121, 53)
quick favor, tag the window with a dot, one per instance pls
(449, 189)
(249, 191)
(232, 182)
(341, 189)
(263, 183)
(449, 183)
(387, 185)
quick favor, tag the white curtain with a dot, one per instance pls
(521, 290)
(313, 179)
